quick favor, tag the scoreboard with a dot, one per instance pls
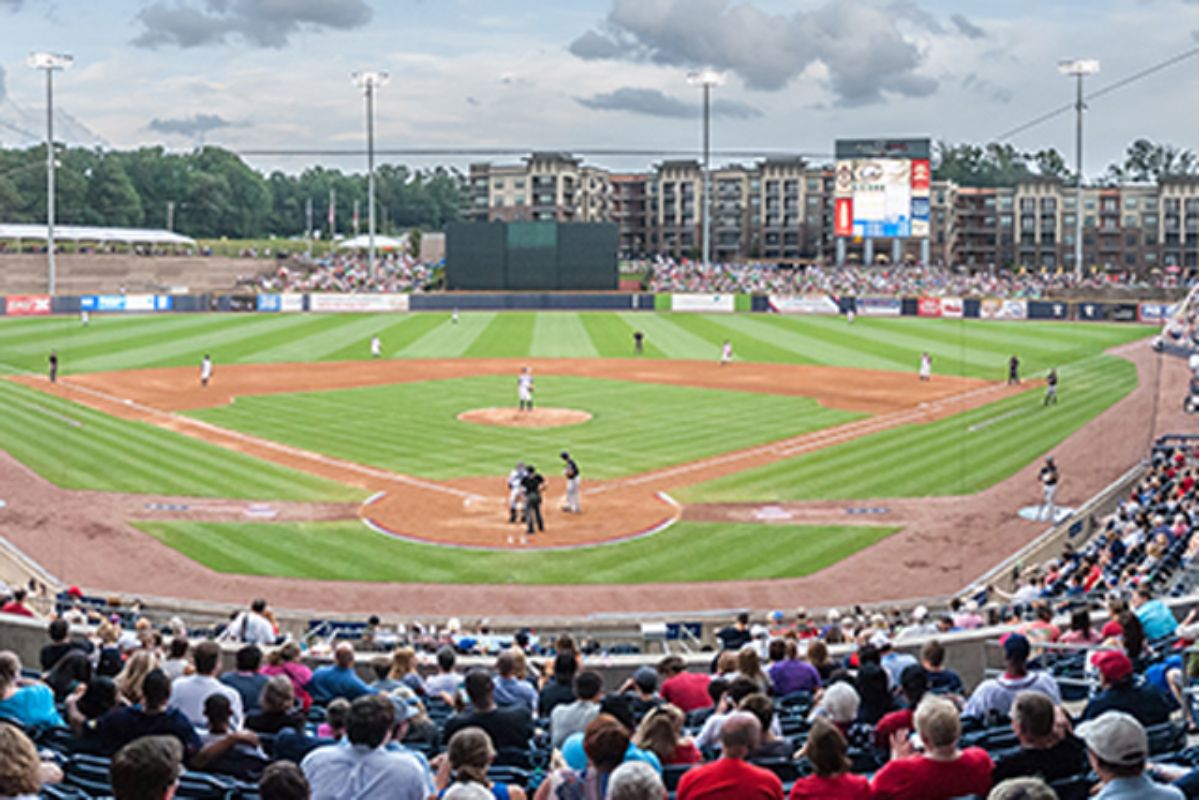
(881, 188)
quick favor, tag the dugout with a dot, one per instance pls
(531, 256)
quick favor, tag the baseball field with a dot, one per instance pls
(307, 459)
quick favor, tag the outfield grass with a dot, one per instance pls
(350, 551)
(962, 454)
(973, 348)
(413, 427)
(76, 447)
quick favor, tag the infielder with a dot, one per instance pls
(1014, 375)
(376, 347)
(849, 315)
(571, 473)
(726, 352)
(53, 366)
(1049, 478)
(515, 490)
(1051, 388)
(206, 369)
(454, 317)
(926, 367)
(638, 340)
(83, 318)
(525, 390)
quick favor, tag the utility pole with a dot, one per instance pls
(308, 224)
(50, 62)
(1078, 68)
(171, 215)
(369, 82)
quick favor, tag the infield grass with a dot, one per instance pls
(350, 551)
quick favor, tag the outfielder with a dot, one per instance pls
(726, 352)
(926, 367)
(571, 473)
(1049, 478)
(525, 390)
(376, 346)
(1014, 374)
(83, 317)
(53, 359)
(1051, 388)
(206, 370)
(515, 490)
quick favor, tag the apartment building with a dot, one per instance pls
(781, 210)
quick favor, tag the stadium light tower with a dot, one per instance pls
(50, 62)
(369, 81)
(705, 79)
(1078, 67)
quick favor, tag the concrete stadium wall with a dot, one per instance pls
(25, 273)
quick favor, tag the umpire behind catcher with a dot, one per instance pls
(532, 484)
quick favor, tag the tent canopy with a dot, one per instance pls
(89, 233)
(364, 242)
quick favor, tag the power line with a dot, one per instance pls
(524, 151)
(1098, 93)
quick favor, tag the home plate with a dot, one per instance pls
(770, 513)
(1034, 513)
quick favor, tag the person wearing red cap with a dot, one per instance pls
(1121, 691)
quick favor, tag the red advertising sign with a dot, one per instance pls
(929, 307)
(920, 175)
(27, 305)
(843, 216)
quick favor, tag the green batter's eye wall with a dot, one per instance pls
(531, 256)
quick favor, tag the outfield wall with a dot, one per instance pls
(716, 303)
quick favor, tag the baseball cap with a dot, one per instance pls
(75, 591)
(1116, 738)
(1016, 647)
(646, 678)
(1113, 665)
(920, 612)
(776, 616)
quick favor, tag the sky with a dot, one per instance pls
(537, 74)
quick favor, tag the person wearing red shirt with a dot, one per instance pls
(826, 749)
(687, 690)
(914, 682)
(16, 605)
(730, 777)
(942, 771)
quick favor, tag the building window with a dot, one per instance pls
(1131, 203)
(1131, 220)
(1151, 257)
(813, 185)
(1006, 220)
(1049, 205)
(519, 201)
(1089, 221)
(1150, 220)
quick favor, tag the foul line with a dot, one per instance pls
(978, 426)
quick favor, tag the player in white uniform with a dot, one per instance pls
(206, 370)
(83, 317)
(525, 390)
(376, 347)
(454, 317)
(726, 352)
(515, 492)
(926, 367)
(850, 316)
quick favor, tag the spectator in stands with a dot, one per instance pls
(1080, 631)
(1155, 616)
(60, 644)
(635, 780)
(1133, 639)
(839, 703)
(787, 672)
(605, 744)
(914, 682)
(189, 692)
(110, 661)
(176, 664)
(511, 687)
(73, 671)
(641, 689)
(403, 672)
(30, 703)
(737, 690)
(16, 605)
(825, 748)
(246, 678)
(469, 754)
(770, 746)
(1048, 749)
(275, 708)
(243, 759)
(339, 678)
(687, 690)
(995, 695)
(574, 717)
(1022, 789)
(750, 666)
(1120, 691)
(661, 732)
(251, 626)
(147, 769)
(1117, 749)
(943, 770)
(873, 685)
(1042, 629)
(285, 660)
(366, 769)
(919, 625)
(731, 776)
(98, 698)
(736, 636)
(507, 727)
(941, 680)
(817, 653)
(560, 687)
(337, 714)
(447, 682)
(283, 780)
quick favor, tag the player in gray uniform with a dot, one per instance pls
(525, 390)
(1051, 397)
(515, 491)
(571, 473)
(1049, 480)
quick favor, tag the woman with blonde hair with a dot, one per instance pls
(469, 753)
(129, 680)
(109, 659)
(21, 771)
(404, 669)
(285, 660)
(661, 732)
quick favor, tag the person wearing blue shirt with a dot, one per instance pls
(31, 704)
(510, 688)
(338, 679)
(1156, 618)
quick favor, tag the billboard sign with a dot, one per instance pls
(27, 305)
(703, 302)
(1154, 312)
(995, 308)
(802, 304)
(879, 306)
(357, 302)
(882, 188)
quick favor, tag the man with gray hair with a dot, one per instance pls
(635, 780)
(731, 776)
(1047, 748)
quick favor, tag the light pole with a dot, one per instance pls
(1078, 67)
(369, 82)
(705, 79)
(50, 62)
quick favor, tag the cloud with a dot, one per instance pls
(196, 125)
(863, 55)
(908, 10)
(986, 88)
(967, 28)
(654, 103)
(261, 23)
(3, 85)
(12, 5)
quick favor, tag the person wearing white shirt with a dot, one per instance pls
(189, 693)
(252, 627)
(363, 768)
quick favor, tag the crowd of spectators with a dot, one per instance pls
(663, 274)
(349, 272)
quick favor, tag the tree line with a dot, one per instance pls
(1004, 165)
(212, 192)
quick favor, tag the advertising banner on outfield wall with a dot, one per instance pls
(1123, 312)
(1047, 309)
(879, 306)
(116, 303)
(703, 302)
(952, 307)
(291, 302)
(1091, 312)
(357, 302)
(993, 308)
(929, 307)
(27, 305)
(802, 304)
(1154, 312)
(267, 302)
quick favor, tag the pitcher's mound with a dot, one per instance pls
(537, 418)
